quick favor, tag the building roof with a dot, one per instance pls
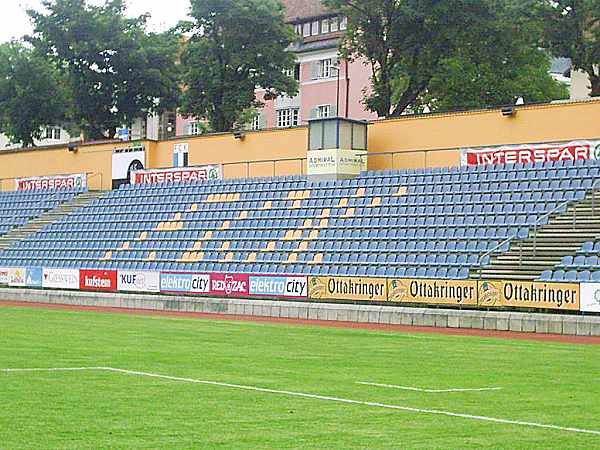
(299, 10)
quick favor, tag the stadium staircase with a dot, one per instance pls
(63, 210)
(547, 244)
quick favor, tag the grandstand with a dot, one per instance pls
(443, 223)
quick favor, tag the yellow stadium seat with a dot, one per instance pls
(237, 197)
(124, 246)
(193, 208)
(143, 236)
(349, 212)
(186, 257)
(318, 259)
(197, 246)
(375, 202)
(360, 192)
(151, 257)
(177, 216)
(225, 225)
(343, 203)
(270, 247)
(306, 195)
(302, 247)
(230, 197)
(298, 234)
(402, 190)
(208, 235)
(107, 256)
(243, 215)
(314, 234)
(268, 205)
(297, 204)
(228, 257)
(251, 258)
(210, 198)
(289, 235)
(292, 195)
(292, 258)
(307, 223)
(226, 245)
(325, 213)
(324, 223)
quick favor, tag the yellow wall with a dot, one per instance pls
(420, 141)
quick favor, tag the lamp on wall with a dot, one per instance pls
(239, 134)
(72, 148)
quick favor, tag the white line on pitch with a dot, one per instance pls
(321, 397)
(434, 391)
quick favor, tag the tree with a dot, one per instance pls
(117, 72)
(32, 94)
(236, 46)
(450, 54)
(573, 31)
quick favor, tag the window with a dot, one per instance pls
(323, 111)
(333, 24)
(325, 26)
(298, 29)
(52, 133)
(194, 128)
(343, 23)
(314, 28)
(297, 72)
(325, 66)
(306, 29)
(255, 125)
(289, 117)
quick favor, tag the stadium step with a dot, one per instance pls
(49, 217)
(547, 244)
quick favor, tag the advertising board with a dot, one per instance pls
(433, 292)
(348, 288)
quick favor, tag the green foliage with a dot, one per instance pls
(451, 54)
(117, 72)
(573, 31)
(32, 94)
(236, 46)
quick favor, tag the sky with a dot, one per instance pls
(14, 21)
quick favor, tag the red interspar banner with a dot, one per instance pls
(98, 280)
(229, 285)
(531, 153)
(78, 180)
(182, 175)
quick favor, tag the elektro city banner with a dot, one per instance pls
(346, 288)
(527, 294)
(78, 180)
(185, 283)
(278, 286)
(531, 153)
(433, 292)
(177, 175)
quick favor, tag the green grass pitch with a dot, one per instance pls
(541, 382)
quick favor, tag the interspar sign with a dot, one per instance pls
(138, 281)
(526, 294)
(284, 287)
(60, 279)
(433, 292)
(178, 175)
(98, 280)
(185, 283)
(530, 153)
(345, 288)
(78, 180)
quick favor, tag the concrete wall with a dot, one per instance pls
(441, 318)
(419, 141)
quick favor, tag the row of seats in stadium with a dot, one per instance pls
(20, 207)
(584, 266)
(366, 226)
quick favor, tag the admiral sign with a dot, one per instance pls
(60, 279)
(52, 183)
(531, 153)
(433, 292)
(98, 280)
(177, 175)
(336, 162)
(138, 281)
(184, 283)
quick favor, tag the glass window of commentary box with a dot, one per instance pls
(337, 132)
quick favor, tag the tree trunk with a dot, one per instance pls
(595, 80)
